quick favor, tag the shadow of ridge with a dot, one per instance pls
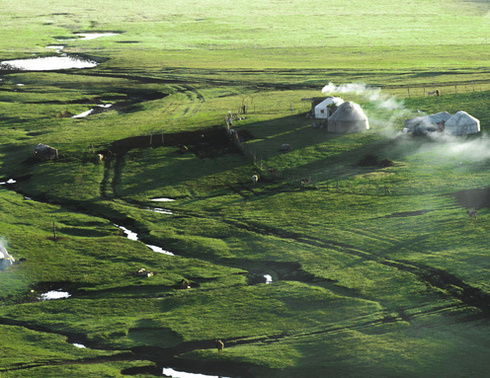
(474, 198)
(205, 146)
(168, 357)
(347, 164)
(213, 135)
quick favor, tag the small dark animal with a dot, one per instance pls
(472, 214)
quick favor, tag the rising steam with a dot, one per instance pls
(387, 115)
(370, 94)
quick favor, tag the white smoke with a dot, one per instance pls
(3, 242)
(456, 147)
(373, 95)
(386, 114)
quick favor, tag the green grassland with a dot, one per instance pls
(377, 271)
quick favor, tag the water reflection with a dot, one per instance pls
(158, 249)
(49, 63)
(54, 294)
(169, 372)
(131, 235)
(160, 210)
(9, 181)
(89, 36)
(90, 111)
(268, 278)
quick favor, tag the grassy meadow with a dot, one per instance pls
(324, 267)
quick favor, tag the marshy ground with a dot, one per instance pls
(324, 266)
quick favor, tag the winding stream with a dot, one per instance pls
(131, 235)
(48, 63)
(169, 372)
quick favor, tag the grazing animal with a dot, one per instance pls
(285, 147)
(143, 272)
(434, 93)
(220, 345)
(255, 178)
(472, 214)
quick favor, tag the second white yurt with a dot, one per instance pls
(462, 124)
(348, 118)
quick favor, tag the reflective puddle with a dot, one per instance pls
(169, 372)
(88, 36)
(134, 236)
(9, 181)
(90, 111)
(54, 294)
(160, 210)
(158, 249)
(129, 234)
(49, 63)
(268, 278)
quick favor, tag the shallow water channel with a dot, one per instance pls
(54, 294)
(54, 63)
(169, 372)
(48, 63)
(131, 235)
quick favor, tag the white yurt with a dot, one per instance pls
(348, 118)
(426, 124)
(327, 107)
(5, 259)
(462, 124)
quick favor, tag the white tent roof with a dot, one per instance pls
(323, 106)
(462, 123)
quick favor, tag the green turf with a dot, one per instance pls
(377, 271)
